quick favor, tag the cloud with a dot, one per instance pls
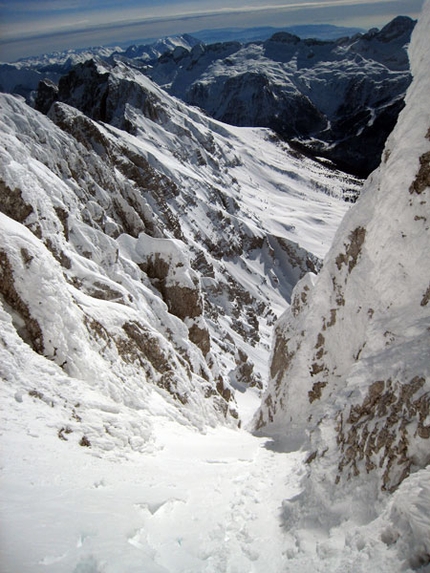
(89, 16)
(49, 7)
(133, 21)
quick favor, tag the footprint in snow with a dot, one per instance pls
(154, 506)
(52, 559)
(87, 565)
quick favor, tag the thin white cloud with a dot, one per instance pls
(129, 23)
(127, 15)
(45, 7)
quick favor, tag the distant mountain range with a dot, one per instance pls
(319, 31)
(337, 99)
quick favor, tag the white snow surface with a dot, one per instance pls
(182, 501)
(190, 502)
(103, 471)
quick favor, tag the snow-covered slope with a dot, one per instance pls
(154, 259)
(143, 261)
(350, 368)
(339, 98)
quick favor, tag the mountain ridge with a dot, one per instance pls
(261, 33)
(337, 99)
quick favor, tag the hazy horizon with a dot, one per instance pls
(33, 27)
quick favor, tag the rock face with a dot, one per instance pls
(339, 99)
(350, 369)
(141, 251)
(87, 284)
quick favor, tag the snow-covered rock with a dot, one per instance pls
(350, 368)
(143, 247)
(148, 52)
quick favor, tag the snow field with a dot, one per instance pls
(197, 502)
(218, 501)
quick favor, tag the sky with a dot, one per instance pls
(33, 27)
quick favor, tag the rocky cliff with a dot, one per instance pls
(139, 254)
(350, 368)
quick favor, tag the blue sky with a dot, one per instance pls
(32, 27)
